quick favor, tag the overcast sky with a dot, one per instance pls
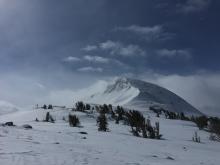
(48, 45)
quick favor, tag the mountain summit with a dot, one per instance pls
(140, 95)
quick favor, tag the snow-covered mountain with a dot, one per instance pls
(140, 95)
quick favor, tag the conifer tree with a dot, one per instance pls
(73, 120)
(102, 122)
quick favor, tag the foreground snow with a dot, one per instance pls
(56, 144)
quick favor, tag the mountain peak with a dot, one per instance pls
(118, 85)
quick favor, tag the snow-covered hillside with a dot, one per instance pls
(59, 144)
(115, 92)
(139, 95)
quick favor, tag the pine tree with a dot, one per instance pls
(44, 106)
(80, 106)
(201, 122)
(120, 112)
(87, 107)
(50, 106)
(137, 122)
(47, 117)
(157, 130)
(102, 122)
(214, 128)
(73, 120)
(195, 137)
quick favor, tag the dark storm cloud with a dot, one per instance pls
(51, 44)
(34, 33)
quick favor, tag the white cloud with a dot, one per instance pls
(90, 69)
(150, 33)
(90, 48)
(71, 59)
(193, 6)
(109, 45)
(39, 85)
(131, 50)
(115, 48)
(145, 30)
(118, 48)
(174, 53)
(97, 59)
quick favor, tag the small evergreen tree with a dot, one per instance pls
(157, 131)
(201, 121)
(49, 118)
(44, 106)
(102, 122)
(73, 120)
(50, 106)
(137, 122)
(214, 127)
(105, 108)
(195, 137)
(88, 107)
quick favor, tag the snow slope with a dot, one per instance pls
(116, 92)
(139, 95)
(58, 144)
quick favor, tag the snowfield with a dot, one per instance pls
(59, 144)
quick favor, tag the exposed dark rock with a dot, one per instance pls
(27, 126)
(9, 124)
(82, 132)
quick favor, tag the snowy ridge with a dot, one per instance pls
(151, 95)
(116, 92)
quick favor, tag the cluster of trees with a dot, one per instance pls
(80, 106)
(214, 127)
(169, 114)
(211, 124)
(104, 109)
(201, 121)
(50, 106)
(139, 125)
(135, 119)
